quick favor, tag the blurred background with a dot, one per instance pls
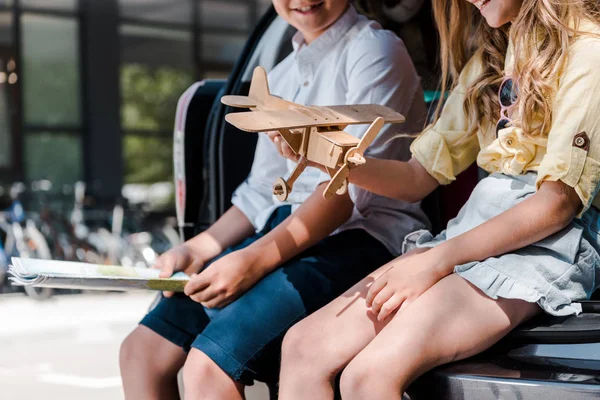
(88, 88)
(88, 91)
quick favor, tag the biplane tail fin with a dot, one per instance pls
(259, 87)
(259, 97)
(259, 94)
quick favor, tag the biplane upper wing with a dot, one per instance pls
(365, 114)
(261, 121)
(301, 117)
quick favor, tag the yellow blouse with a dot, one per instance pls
(571, 153)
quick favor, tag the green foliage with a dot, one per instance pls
(149, 96)
(148, 159)
(149, 102)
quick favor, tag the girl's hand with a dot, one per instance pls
(403, 283)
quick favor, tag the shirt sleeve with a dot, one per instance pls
(379, 71)
(445, 149)
(573, 150)
(255, 194)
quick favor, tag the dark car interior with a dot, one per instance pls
(217, 158)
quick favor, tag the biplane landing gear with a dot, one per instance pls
(352, 158)
(343, 189)
(281, 190)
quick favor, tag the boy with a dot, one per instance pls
(282, 261)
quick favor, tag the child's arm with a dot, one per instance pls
(548, 211)
(400, 180)
(313, 221)
(191, 256)
(233, 274)
(227, 231)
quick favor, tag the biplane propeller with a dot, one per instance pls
(315, 133)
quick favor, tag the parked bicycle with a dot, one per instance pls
(21, 238)
(38, 221)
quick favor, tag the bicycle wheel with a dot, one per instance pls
(39, 293)
(37, 247)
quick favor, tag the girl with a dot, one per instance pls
(525, 105)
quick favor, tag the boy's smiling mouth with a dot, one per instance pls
(309, 8)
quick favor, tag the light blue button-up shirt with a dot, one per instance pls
(355, 61)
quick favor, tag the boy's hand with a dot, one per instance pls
(181, 258)
(227, 278)
(403, 283)
(282, 147)
(286, 151)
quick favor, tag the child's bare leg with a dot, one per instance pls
(203, 379)
(451, 321)
(149, 365)
(317, 348)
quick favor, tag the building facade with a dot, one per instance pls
(88, 88)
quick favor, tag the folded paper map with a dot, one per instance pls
(75, 275)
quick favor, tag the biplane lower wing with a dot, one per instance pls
(340, 138)
(300, 117)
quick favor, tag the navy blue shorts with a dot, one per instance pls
(244, 338)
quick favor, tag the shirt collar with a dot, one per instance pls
(306, 54)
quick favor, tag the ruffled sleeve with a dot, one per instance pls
(445, 149)
(573, 150)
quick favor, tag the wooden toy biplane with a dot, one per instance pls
(315, 133)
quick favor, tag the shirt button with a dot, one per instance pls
(582, 141)
(305, 83)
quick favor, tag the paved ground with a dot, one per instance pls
(67, 347)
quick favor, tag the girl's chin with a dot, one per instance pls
(494, 22)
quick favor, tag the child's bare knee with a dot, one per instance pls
(294, 343)
(306, 350)
(302, 347)
(197, 367)
(196, 372)
(356, 381)
(203, 378)
(131, 350)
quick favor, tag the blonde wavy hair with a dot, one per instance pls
(541, 35)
